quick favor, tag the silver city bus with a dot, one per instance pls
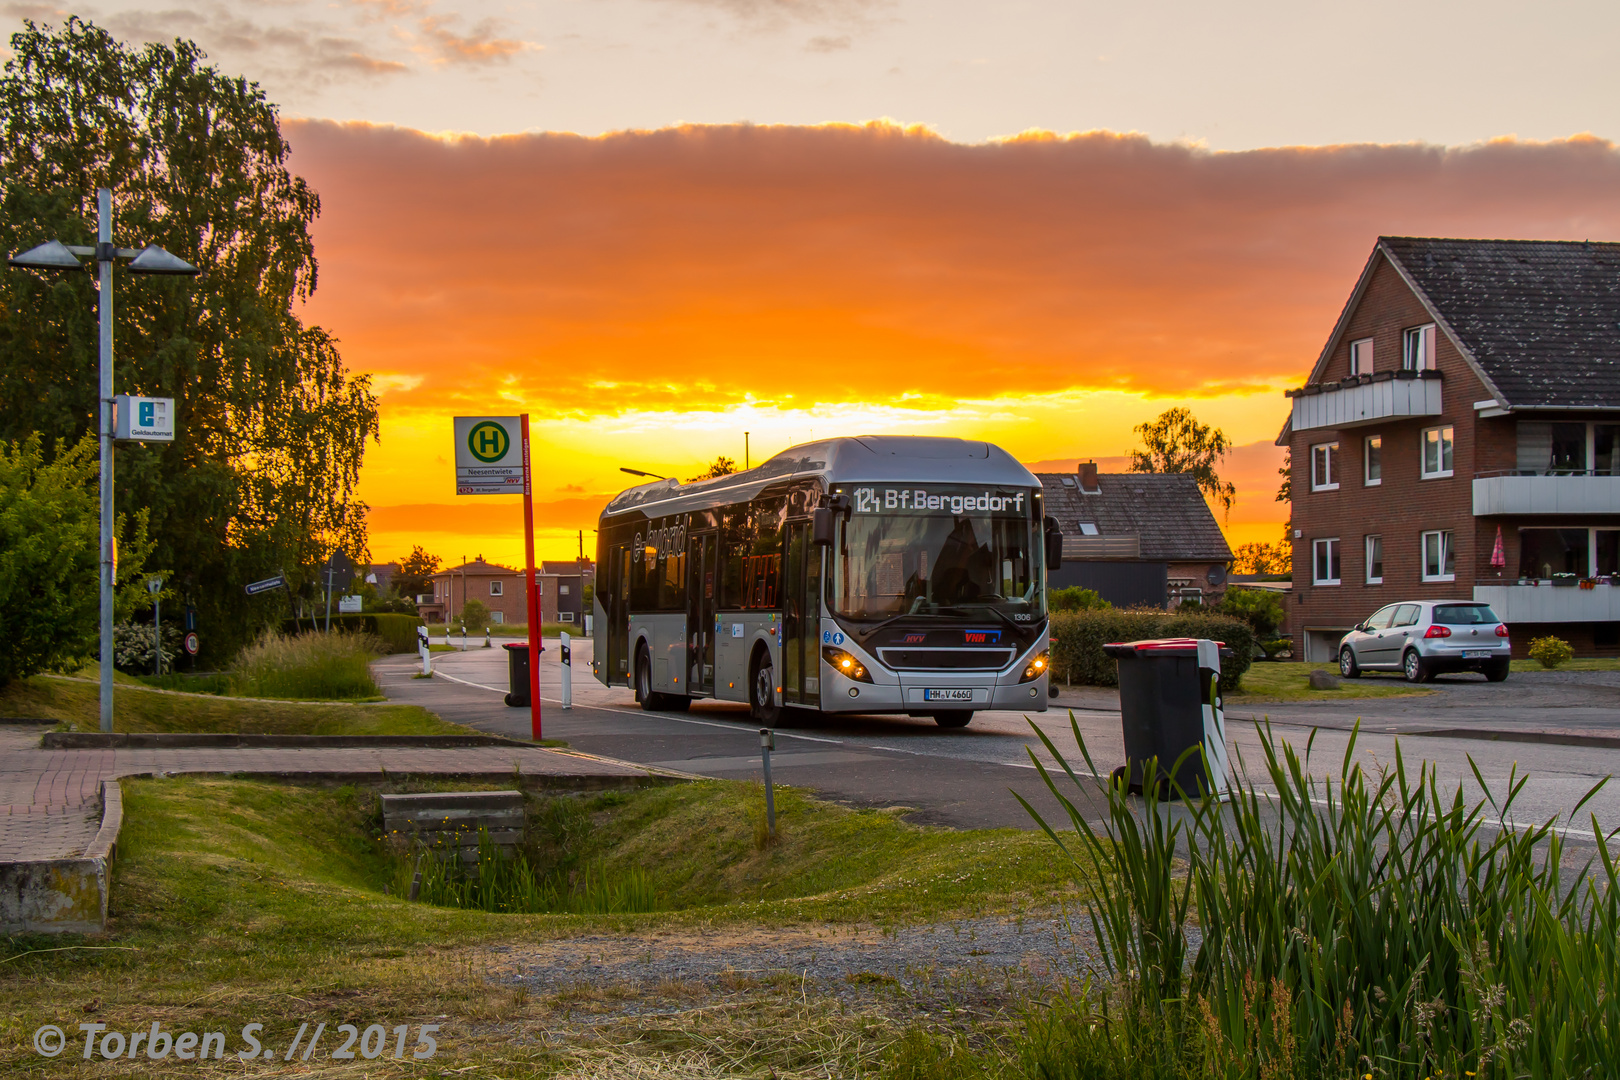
(879, 574)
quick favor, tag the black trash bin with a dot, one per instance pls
(1170, 702)
(517, 673)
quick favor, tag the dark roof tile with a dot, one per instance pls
(1541, 317)
(1165, 512)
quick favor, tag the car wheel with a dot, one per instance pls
(762, 702)
(1347, 664)
(1414, 668)
(955, 718)
(1497, 671)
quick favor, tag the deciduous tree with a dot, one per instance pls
(271, 427)
(1177, 443)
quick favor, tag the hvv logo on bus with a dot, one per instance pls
(869, 501)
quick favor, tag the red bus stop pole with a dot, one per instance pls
(533, 594)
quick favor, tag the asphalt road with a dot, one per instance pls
(965, 778)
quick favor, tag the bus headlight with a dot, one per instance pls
(846, 665)
(1037, 667)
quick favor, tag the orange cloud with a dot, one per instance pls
(649, 295)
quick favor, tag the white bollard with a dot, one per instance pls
(567, 674)
(422, 642)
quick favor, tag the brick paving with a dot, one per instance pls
(50, 805)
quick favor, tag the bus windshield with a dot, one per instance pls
(938, 550)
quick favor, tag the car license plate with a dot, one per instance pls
(1476, 654)
(948, 695)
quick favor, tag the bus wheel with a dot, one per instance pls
(648, 698)
(762, 702)
(954, 719)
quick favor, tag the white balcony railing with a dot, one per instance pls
(1367, 399)
(1577, 493)
(1551, 604)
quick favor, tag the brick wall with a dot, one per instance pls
(1403, 505)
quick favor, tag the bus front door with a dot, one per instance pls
(702, 563)
(801, 618)
(617, 606)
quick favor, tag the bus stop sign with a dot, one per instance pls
(489, 455)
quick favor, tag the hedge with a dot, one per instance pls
(397, 632)
(1078, 638)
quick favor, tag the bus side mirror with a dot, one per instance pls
(821, 526)
(1054, 545)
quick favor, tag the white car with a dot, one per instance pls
(1423, 638)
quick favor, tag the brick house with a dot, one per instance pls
(1470, 390)
(1137, 538)
(501, 589)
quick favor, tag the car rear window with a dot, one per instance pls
(1465, 615)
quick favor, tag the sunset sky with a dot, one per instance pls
(658, 224)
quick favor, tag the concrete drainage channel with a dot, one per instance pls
(69, 894)
(64, 896)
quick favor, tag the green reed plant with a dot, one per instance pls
(311, 666)
(510, 883)
(1368, 923)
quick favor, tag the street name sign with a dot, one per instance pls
(257, 587)
(143, 419)
(350, 605)
(489, 455)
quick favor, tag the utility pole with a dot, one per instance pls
(746, 464)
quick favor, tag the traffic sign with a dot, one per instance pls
(350, 605)
(257, 587)
(489, 455)
(143, 419)
(190, 644)
(337, 573)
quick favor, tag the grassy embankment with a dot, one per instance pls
(229, 907)
(136, 707)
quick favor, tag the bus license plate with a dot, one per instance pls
(948, 695)
(1476, 654)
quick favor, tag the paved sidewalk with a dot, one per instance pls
(50, 799)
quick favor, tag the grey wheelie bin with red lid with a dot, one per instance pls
(1169, 703)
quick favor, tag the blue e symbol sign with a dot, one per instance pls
(147, 413)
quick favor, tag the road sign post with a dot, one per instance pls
(493, 458)
(155, 587)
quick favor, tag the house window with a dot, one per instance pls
(1417, 348)
(1325, 561)
(1325, 467)
(497, 617)
(1372, 461)
(562, 590)
(1361, 357)
(1437, 452)
(1375, 560)
(1088, 528)
(495, 588)
(567, 616)
(1438, 561)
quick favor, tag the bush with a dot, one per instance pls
(1550, 651)
(394, 633)
(474, 616)
(134, 644)
(1075, 598)
(1262, 609)
(1078, 638)
(333, 666)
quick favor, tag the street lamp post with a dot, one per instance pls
(55, 255)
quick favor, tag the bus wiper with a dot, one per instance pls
(997, 612)
(903, 615)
